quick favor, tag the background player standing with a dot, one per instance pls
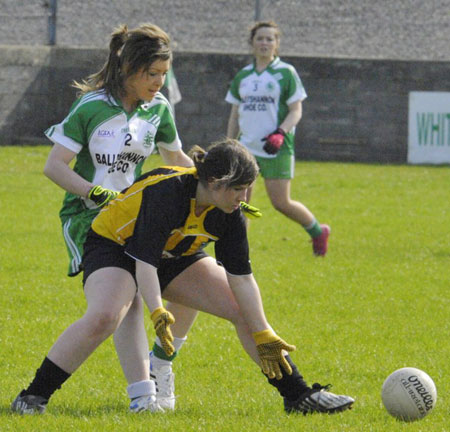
(267, 100)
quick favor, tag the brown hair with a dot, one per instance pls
(129, 52)
(225, 162)
(260, 24)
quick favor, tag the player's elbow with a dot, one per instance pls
(47, 170)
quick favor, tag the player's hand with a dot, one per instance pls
(270, 350)
(250, 211)
(274, 141)
(162, 319)
(101, 196)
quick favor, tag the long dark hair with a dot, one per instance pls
(129, 52)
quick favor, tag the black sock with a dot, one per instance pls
(290, 386)
(49, 378)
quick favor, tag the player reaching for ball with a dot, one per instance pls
(151, 238)
(266, 98)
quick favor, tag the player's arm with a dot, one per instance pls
(271, 348)
(293, 117)
(175, 158)
(247, 294)
(233, 122)
(274, 141)
(148, 285)
(58, 170)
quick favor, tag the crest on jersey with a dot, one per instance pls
(270, 86)
(148, 139)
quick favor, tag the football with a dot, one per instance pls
(408, 394)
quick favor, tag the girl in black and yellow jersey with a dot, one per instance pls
(151, 238)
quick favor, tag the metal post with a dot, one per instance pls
(258, 9)
(52, 22)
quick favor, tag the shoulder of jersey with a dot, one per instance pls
(159, 99)
(280, 64)
(98, 95)
(246, 70)
(94, 97)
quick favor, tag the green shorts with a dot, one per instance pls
(75, 229)
(280, 167)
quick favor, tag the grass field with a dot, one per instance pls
(379, 301)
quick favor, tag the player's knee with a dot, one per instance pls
(137, 306)
(280, 205)
(102, 325)
(235, 315)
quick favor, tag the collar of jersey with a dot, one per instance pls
(202, 215)
(119, 104)
(274, 62)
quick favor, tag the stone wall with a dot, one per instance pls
(356, 110)
(358, 60)
(401, 29)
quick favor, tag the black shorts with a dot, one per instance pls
(100, 252)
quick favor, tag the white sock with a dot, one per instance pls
(141, 388)
(177, 343)
(311, 225)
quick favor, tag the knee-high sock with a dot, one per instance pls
(49, 378)
(290, 386)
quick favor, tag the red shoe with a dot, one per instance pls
(320, 243)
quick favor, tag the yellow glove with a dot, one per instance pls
(250, 211)
(270, 348)
(101, 196)
(162, 319)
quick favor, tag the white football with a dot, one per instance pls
(409, 394)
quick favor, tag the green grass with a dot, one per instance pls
(379, 301)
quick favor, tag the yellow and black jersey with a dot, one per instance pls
(155, 219)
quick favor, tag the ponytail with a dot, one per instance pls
(129, 51)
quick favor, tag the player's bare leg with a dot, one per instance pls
(131, 343)
(109, 293)
(279, 191)
(214, 296)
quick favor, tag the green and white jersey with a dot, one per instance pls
(111, 144)
(263, 99)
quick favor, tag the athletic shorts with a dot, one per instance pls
(100, 252)
(75, 229)
(280, 167)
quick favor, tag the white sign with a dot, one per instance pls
(429, 128)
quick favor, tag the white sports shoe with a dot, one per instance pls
(165, 385)
(145, 403)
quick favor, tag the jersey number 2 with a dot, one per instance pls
(128, 139)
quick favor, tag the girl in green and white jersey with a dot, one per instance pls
(266, 98)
